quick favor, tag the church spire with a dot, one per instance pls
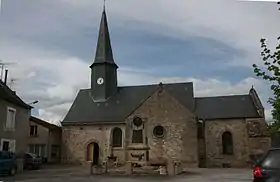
(104, 82)
(104, 53)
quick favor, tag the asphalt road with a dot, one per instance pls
(71, 174)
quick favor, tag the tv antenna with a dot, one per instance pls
(12, 82)
(2, 66)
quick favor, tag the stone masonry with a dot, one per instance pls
(178, 144)
(213, 140)
(180, 139)
(245, 140)
(76, 138)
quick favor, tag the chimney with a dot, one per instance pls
(6, 77)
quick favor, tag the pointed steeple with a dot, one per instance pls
(104, 53)
(104, 81)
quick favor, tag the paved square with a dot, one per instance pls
(74, 174)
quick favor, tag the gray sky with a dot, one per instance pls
(212, 43)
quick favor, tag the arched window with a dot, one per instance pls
(117, 137)
(137, 132)
(227, 143)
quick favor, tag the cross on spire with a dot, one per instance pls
(104, 53)
(104, 5)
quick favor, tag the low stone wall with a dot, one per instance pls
(94, 169)
(170, 168)
(174, 168)
(98, 169)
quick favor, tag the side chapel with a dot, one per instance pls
(144, 123)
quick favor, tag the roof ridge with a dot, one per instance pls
(156, 84)
(42, 122)
(219, 96)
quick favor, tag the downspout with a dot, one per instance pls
(202, 121)
(204, 143)
(48, 147)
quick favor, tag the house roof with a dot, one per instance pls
(221, 107)
(117, 108)
(7, 94)
(44, 123)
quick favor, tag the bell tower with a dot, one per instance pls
(104, 82)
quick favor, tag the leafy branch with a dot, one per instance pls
(271, 73)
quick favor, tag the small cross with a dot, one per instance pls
(104, 4)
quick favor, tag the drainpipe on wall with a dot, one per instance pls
(202, 121)
(204, 141)
(49, 147)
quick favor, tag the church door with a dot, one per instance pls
(93, 153)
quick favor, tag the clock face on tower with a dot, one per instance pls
(100, 81)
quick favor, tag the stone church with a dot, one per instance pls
(162, 122)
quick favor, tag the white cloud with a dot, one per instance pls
(54, 77)
(240, 24)
(63, 76)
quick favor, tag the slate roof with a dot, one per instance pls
(104, 53)
(10, 96)
(44, 123)
(116, 109)
(222, 107)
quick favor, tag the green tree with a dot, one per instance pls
(271, 73)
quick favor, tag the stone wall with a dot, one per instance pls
(250, 137)
(259, 144)
(257, 127)
(213, 139)
(179, 142)
(259, 137)
(76, 138)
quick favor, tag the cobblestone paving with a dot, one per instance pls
(75, 175)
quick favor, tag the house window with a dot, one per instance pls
(11, 117)
(5, 146)
(117, 137)
(227, 143)
(55, 151)
(33, 130)
(38, 149)
(8, 145)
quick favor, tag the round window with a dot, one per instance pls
(137, 121)
(158, 131)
